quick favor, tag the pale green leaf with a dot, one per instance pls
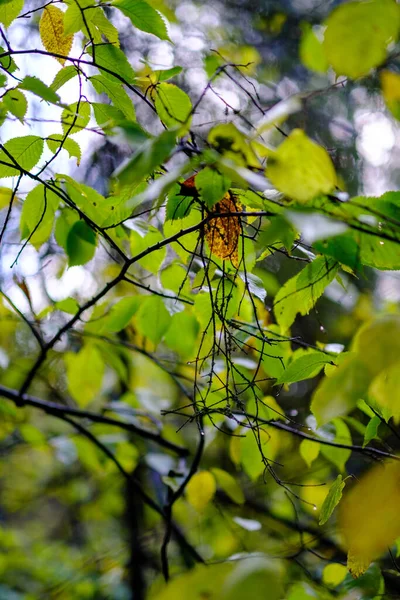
(332, 500)
(75, 117)
(112, 61)
(40, 89)
(10, 11)
(144, 17)
(63, 76)
(16, 102)
(338, 456)
(182, 334)
(173, 106)
(312, 53)
(153, 319)
(304, 367)
(116, 93)
(68, 144)
(338, 394)
(26, 152)
(37, 215)
(371, 431)
(300, 293)
(85, 371)
(309, 451)
(229, 485)
(358, 33)
(301, 169)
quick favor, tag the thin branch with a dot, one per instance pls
(60, 411)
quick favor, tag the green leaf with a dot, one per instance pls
(68, 305)
(304, 367)
(5, 196)
(116, 93)
(26, 152)
(309, 451)
(343, 248)
(212, 186)
(300, 168)
(120, 315)
(275, 354)
(144, 17)
(197, 584)
(93, 204)
(178, 205)
(80, 244)
(106, 115)
(390, 84)
(384, 392)
(149, 156)
(300, 293)
(105, 27)
(278, 232)
(10, 11)
(74, 22)
(140, 242)
(252, 578)
(355, 50)
(182, 334)
(75, 117)
(16, 103)
(255, 445)
(166, 74)
(332, 500)
(68, 144)
(338, 456)
(40, 89)
(111, 59)
(37, 215)
(377, 343)
(64, 223)
(338, 394)
(233, 145)
(173, 106)
(63, 76)
(229, 485)
(371, 431)
(311, 50)
(153, 319)
(85, 371)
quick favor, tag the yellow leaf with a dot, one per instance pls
(301, 169)
(52, 32)
(5, 196)
(309, 451)
(390, 83)
(229, 485)
(234, 450)
(385, 391)
(201, 490)
(373, 501)
(333, 574)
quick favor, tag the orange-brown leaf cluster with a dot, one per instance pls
(222, 233)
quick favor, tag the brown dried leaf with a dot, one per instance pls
(222, 233)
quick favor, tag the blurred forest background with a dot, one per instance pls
(70, 525)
